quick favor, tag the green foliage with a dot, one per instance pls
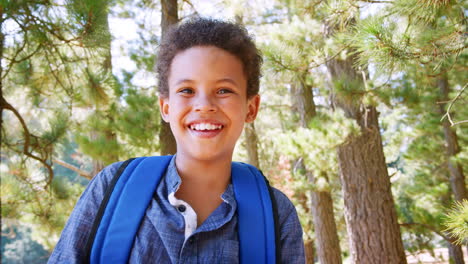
(95, 91)
(48, 209)
(94, 14)
(426, 12)
(316, 143)
(98, 146)
(340, 14)
(456, 222)
(408, 32)
(58, 128)
(350, 91)
(14, 196)
(138, 122)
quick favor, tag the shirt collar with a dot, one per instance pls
(172, 178)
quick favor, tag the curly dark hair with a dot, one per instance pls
(230, 37)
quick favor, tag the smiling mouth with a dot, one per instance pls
(205, 127)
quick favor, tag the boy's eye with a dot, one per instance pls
(186, 91)
(224, 91)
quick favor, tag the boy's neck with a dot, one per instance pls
(201, 174)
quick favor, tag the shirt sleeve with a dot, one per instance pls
(71, 245)
(292, 244)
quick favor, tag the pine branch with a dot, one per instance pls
(430, 228)
(82, 173)
(279, 62)
(53, 71)
(447, 114)
(330, 58)
(27, 138)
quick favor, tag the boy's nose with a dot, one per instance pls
(205, 104)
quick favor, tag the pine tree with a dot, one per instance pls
(369, 206)
(428, 36)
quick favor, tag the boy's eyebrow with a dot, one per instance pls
(183, 80)
(229, 80)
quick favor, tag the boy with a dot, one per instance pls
(208, 82)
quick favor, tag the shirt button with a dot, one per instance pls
(181, 208)
(191, 240)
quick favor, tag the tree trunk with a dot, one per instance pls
(169, 16)
(455, 254)
(252, 144)
(251, 138)
(327, 242)
(371, 219)
(457, 178)
(303, 100)
(309, 251)
(369, 207)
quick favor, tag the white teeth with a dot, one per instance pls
(205, 126)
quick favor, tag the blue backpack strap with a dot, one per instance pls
(122, 215)
(256, 225)
(97, 220)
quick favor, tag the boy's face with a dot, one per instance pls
(207, 104)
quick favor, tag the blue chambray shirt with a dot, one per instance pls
(161, 236)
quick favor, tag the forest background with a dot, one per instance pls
(362, 124)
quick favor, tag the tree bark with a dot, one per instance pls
(369, 207)
(455, 254)
(303, 100)
(327, 241)
(309, 251)
(252, 144)
(371, 219)
(169, 16)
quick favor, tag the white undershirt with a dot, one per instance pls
(190, 216)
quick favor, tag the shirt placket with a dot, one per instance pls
(189, 251)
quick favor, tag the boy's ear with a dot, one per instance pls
(253, 106)
(164, 108)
